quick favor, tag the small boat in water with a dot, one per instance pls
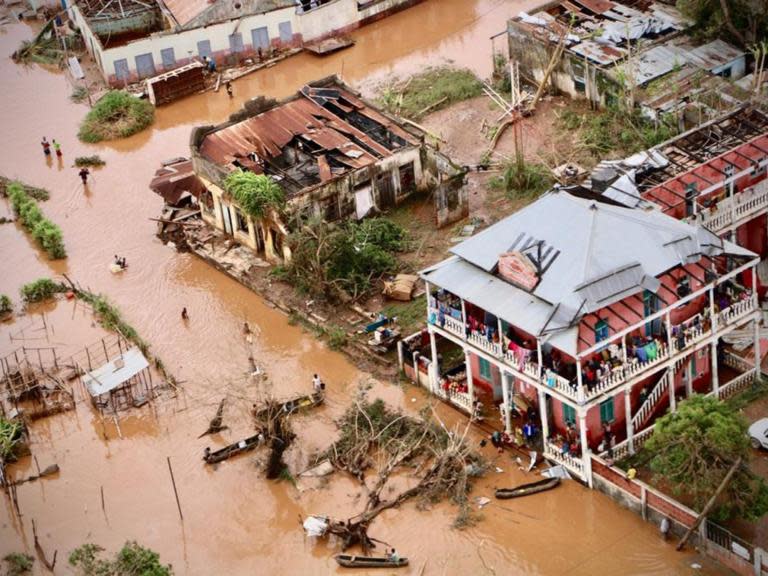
(370, 561)
(234, 449)
(294, 405)
(527, 489)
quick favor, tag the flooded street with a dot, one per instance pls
(235, 522)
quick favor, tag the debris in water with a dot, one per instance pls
(215, 426)
(482, 501)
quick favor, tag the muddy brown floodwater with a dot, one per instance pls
(234, 521)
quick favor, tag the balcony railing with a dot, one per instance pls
(572, 463)
(694, 330)
(734, 209)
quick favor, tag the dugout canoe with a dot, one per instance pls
(527, 489)
(245, 445)
(369, 561)
(294, 404)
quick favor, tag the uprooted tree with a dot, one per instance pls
(341, 261)
(274, 422)
(378, 442)
(694, 448)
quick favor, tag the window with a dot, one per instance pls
(601, 331)
(407, 178)
(242, 222)
(236, 42)
(569, 414)
(606, 411)
(577, 73)
(204, 48)
(260, 38)
(485, 369)
(121, 69)
(650, 307)
(168, 57)
(286, 32)
(683, 286)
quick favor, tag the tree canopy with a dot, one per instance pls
(694, 448)
(742, 21)
(131, 560)
(331, 260)
(256, 194)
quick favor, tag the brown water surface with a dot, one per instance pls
(234, 521)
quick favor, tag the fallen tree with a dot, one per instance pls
(379, 442)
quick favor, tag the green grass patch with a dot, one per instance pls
(117, 115)
(46, 233)
(616, 130)
(94, 161)
(336, 336)
(432, 90)
(410, 315)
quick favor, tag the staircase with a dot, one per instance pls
(657, 394)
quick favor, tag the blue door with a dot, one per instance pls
(204, 48)
(286, 32)
(145, 65)
(121, 69)
(169, 58)
(236, 43)
(260, 38)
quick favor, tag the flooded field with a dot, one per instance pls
(234, 521)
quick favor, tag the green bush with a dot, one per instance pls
(91, 161)
(10, 435)
(525, 180)
(45, 232)
(337, 337)
(256, 194)
(18, 564)
(41, 289)
(6, 305)
(131, 560)
(117, 115)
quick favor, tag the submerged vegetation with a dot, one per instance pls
(432, 90)
(615, 129)
(117, 115)
(42, 50)
(46, 233)
(6, 305)
(18, 564)
(40, 290)
(93, 161)
(132, 560)
(341, 261)
(10, 437)
(31, 191)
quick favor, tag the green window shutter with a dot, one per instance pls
(606, 411)
(601, 331)
(485, 369)
(569, 413)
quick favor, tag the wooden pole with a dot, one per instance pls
(176, 492)
(709, 505)
(553, 62)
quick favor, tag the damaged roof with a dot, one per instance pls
(326, 128)
(174, 180)
(593, 254)
(204, 12)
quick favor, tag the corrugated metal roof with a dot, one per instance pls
(115, 373)
(184, 11)
(712, 55)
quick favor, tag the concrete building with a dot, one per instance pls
(334, 155)
(613, 51)
(598, 315)
(135, 39)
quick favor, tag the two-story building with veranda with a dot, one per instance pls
(599, 316)
(713, 175)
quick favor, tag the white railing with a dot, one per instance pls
(460, 399)
(493, 348)
(454, 326)
(621, 450)
(647, 407)
(629, 370)
(562, 385)
(731, 210)
(741, 382)
(573, 464)
(736, 311)
(737, 362)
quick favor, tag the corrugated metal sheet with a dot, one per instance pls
(712, 55)
(268, 133)
(173, 180)
(114, 374)
(184, 11)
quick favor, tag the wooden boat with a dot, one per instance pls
(527, 489)
(369, 561)
(295, 404)
(234, 449)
